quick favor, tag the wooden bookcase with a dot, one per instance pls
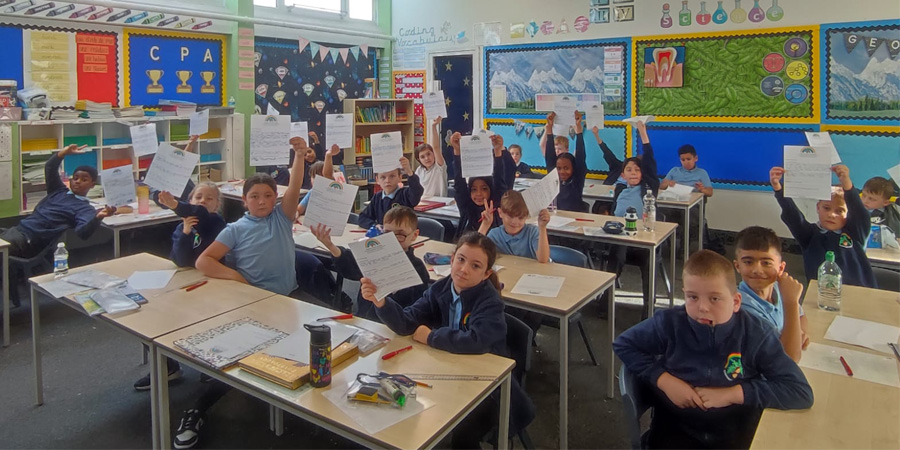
(364, 127)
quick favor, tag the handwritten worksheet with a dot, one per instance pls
(199, 123)
(594, 115)
(339, 130)
(330, 203)
(564, 107)
(382, 260)
(434, 105)
(143, 139)
(118, 185)
(270, 138)
(807, 173)
(539, 195)
(171, 168)
(821, 141)
(301, 130)
(387, 149)
(539, 285)
(477, 156)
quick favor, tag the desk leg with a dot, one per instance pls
(652, 306)
(279, 421)
(115, 243)
(672, 274)
(563, 382)
(5, 298)
(687, 233)
(503, 428)
(272, 418)
(154, 395)
(611, 313)
(700, 225)
(162, 385)
(36, 348)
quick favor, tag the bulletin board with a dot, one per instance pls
(861, 68)
(411, 84)
(765, 76)
(11, 69)
(596, 66)
(167, 65)
(867, 153)
(528, 133)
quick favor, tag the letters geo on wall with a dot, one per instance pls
(173, 66)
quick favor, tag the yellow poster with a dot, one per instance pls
(51, 64)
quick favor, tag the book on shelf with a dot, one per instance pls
(378, 113)
(363, 145)
(288, 373)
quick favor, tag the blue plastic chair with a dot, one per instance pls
(432, 229)
(636, 400)
(572, 257)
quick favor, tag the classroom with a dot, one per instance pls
(524, 224)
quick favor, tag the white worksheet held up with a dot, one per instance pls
(387, 149)
(171, 168)
(434, 105)
(542, 193)
(270, 138)
(118, 185)
(339, 130)
(477, 156)
(382, 260)
(329, 204)
(143, 139)
(807, 173)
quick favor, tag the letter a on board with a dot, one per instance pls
(208, 56)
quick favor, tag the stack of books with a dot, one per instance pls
(66, 114)
(380, 113)
(129, 112)
(95, 110)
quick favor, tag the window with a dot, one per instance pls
(320, 5)
(266, 3)
(361, 9)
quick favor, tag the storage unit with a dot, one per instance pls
(379, 115)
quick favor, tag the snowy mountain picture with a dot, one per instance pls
(860, 85)
(527, 72)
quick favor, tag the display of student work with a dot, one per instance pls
(861, 68)
(729, 76)
(517, 74)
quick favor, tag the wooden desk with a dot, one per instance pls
(885, 258)
(595, 190)
(167, 309)
(848, 413)
(4, 259)
(121, 222)
(453, 400)
(581, 286)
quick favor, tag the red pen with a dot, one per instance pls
(846, 367)
(191, 288)
(584, 220)
(396, 352)
(358, 231)
(340, 317)
(417, 245)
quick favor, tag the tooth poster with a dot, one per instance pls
(664, 67)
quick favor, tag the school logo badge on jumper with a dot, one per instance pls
(845, 241)
(465, 321)
(733, 366)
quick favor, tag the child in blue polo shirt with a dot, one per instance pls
(688, 174)
(768, 291)
(391, 194)
(515, 237)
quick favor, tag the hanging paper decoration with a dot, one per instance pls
(279, 96)
(308, 88)
(323, 52)
(581, 24)
(329, 80)
(532, 28)
(344, 51)
(547, 27)
(355, 52)
(341, 94)
(262, 89)
(539, 131)
(563, 28)
(519, 127)
(313, 49)
(334, 54)
(529, 131)
(303, 44)
(872, 43)
(281, 71)
(365, 50)
(320, 105)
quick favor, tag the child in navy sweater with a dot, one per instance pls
(201, 222)
(571, 169)
(472, 196)
(712, 367)
(843, 228)
(462, 313)
(391, 194)
(522, 170)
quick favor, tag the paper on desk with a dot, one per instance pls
(681, 190)
(443, 270)
(863, 333)
(821, 140)
(434, 105)
(118, 185)
(807, 173)
(171, 168)
(374, 417)
(339, 128)
(330, 204)
(539, 285)
(61, 288)
(306, 240)
(382, 260)
(558, 221)
(237, 340)
(300, 130)
(199, 123)
(296, 346)
(865, 366)
(541, 194)
(144, 140)
(150, 279)
(387, 149)
(636, 119)
(94, 279)
(477, 156)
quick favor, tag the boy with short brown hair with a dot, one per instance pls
(515, 237)
(876, 197)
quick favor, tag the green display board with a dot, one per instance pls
(769, 76)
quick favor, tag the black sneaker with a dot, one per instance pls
(188, 433)
(174, 373)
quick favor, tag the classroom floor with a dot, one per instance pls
(89, 370)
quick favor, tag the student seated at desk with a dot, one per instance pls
(324, 168)
(391, 194)
(522, 170)
(712, 367)
(843, 228)
(571, 169)
(688, 174)
(768, 292)
(432, 170)
(473, 196)
(462, 313)
(876, 196)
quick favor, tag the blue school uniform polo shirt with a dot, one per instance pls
(524, 243)
(679, 175)
(630, 196)
(772, 314)
(262, 250)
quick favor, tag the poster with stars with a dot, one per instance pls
(411, 84)
(308, 80)
(455, 74)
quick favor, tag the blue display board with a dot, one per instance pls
(174, 66)
(867, 154)
(11, 69)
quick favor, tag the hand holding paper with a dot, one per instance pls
(144, 140)
(330, 204)
(199, 123)
(807, 173)
(383, 262)
(118, 185)
(434, 104)
(477, 156)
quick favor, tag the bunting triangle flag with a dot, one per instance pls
(313, 49)
(344, 52)
(334, 54)
(323, 52)
(355, 52)
(364, 49)
(303, 43)
(872, 44)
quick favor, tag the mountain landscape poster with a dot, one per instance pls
(863, 80)
(575, 67)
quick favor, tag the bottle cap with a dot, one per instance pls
(61, 245)
(319, 334)
(829, 256)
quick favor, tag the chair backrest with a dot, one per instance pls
(568, 256)
(518, 340)
(432, 229)
(635, 402)
(353, 219)
(451, 192)
(887, 279)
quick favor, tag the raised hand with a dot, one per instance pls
(775, 175)
(168, 200)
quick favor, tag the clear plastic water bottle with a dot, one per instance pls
(60, 260)
(829, 284)
(231, 102)
(649, 215)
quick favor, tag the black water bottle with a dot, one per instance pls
(319, 355)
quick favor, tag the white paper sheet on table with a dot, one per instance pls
(539, 285)
(541, 194)
(636, 119)
(564, 106)
(270, 138)
(144, 140)
(330, 204)
(593, 231)
(821, 140)
(307, 240)
(296, 346)
(382, 260)
(238, 340)
(62, 288)
(443, 270)
(434, 105)
(863, 333)
(199, 123)
(865, 366)
(387, 149)
(150, 279)
(558, 221)
(373, 417)
(339, 129)
(807, 173)
(477, 156)
(171, 168)
(682, 192)
(118, 185)
(300, 130)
